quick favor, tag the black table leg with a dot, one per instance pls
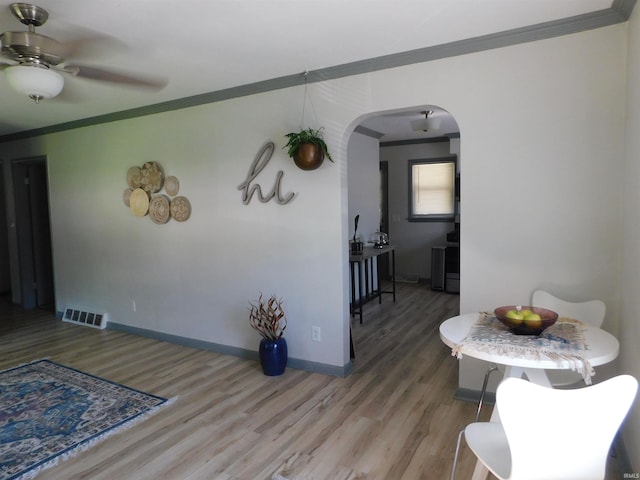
(353, 288)
(393, 273)
(360, 298)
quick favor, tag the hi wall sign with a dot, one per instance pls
(250, 186)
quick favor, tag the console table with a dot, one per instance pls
(361, 268)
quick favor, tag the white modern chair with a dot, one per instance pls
(546, 433)
(591, 312)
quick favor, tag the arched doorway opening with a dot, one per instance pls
(380, 153)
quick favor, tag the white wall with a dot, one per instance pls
(413, 240)
(363, 168)
(195, 279)
(630, 285)
(534, 216)
(364, 185)
(542, 133)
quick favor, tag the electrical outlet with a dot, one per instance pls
(316, 335)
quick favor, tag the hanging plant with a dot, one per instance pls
(307, 148)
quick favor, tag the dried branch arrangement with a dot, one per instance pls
(267, 317)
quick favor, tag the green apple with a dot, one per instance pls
(533, 320)
(514, 315)
(526, 312)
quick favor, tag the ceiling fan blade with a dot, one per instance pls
(88, 45)
(117, 76)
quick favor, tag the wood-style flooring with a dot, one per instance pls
(393, 418)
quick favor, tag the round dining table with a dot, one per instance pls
(602, 347)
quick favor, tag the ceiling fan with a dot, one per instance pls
(32, 62)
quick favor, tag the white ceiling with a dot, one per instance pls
(397, 126)
(202, 46)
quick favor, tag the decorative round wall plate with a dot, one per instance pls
(126, 196)
(139, 202)
(159, 211)
(172, 186)
(152, 177)
(134, 177)
(180, 209)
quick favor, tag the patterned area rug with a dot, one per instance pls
(49, 412)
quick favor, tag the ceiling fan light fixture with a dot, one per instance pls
(427, 123)
(36, 82)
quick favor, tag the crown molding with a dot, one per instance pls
(619, 12)
(414, 141)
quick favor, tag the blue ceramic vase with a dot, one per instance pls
(273, 356)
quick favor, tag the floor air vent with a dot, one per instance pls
(82, 317)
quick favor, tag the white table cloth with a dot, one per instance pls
(601, 348)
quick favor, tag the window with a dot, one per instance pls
(432, 189)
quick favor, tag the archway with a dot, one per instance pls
(379, 151)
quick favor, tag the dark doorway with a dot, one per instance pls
(5, 264)
(31, 195)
